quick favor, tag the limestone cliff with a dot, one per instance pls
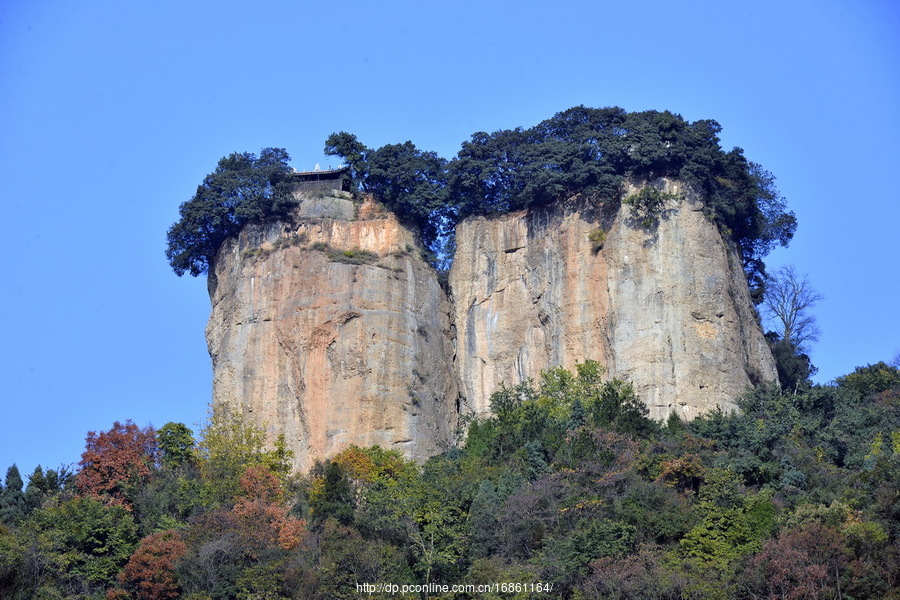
(333, 331)
(665, 307)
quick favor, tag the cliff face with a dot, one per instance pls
(665, 307)
(328, 352)
(334, 331)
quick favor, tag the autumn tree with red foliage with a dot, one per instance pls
(113, 461)
(260, 483)
(259, 517)
(804, 563)
(235, 548)
(150, 572)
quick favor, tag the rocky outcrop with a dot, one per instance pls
(663, 304)
(333, 331)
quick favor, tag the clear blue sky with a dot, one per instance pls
(112, 112)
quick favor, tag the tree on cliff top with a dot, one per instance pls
(410, 182)
(591, 151)
(581, 150)
(243, 189)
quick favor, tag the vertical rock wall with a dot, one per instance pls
(665, 307)
(328, 352)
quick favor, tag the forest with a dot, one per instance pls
(567, 491)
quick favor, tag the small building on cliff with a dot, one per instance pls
(332, 179)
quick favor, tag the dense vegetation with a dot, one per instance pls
(569, 485)
(578, 151)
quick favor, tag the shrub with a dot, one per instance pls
(597, 238)
(649, 204)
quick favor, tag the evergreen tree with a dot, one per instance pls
(34, 492)
(176, 444)
(336, 500)
(12, 500)
(243, 189)
(484, 520)
(45, 484)
(577, 416)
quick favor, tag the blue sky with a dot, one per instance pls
(111, 113)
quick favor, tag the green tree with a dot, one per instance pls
(410, 182)
(168, 499)
(43, 486)
(871, 379)
(354, 154)
(793, 365)
(243, 189)
(85, 542)
(176, 444)
(590, 151)
(345, 558)
(229, 444)
(17, 566)
(484, 520)
(566, 559)
(336, 499)
(34, 492)
(12, 500)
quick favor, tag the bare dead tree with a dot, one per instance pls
(788, 303)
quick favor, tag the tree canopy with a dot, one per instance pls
(410, 182)
(243, 189)
(114, 461)
(568, 484)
